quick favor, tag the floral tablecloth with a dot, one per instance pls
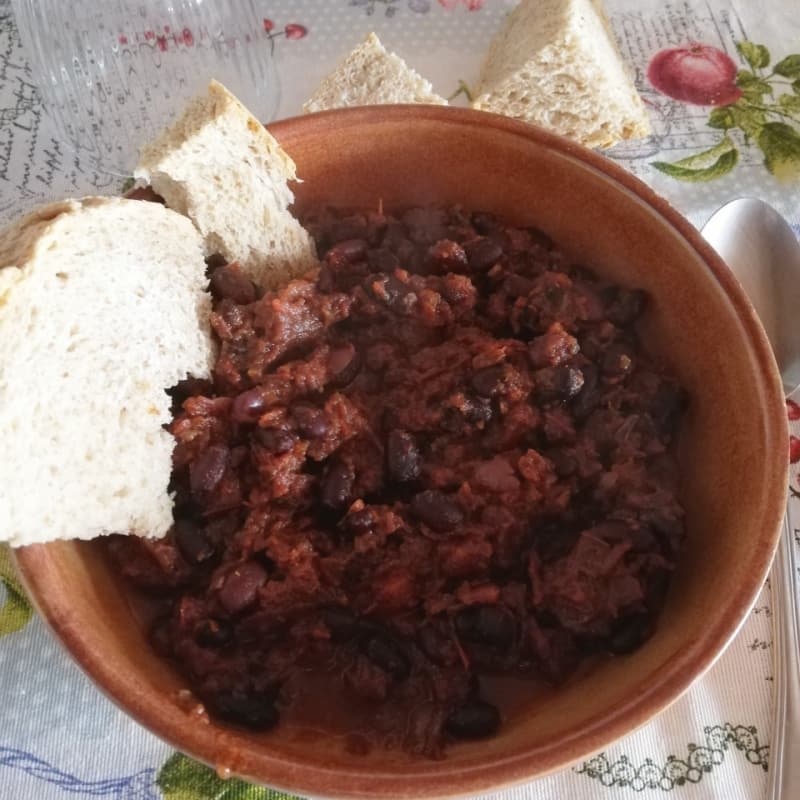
(60, 738)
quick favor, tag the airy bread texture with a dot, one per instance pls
(102, 307)
(371, 75)
(220, 167)
(556, 64)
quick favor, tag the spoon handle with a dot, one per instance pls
(784, 771)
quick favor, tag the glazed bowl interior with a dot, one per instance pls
(732, 451)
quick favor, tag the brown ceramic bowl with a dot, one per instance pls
(733, 450)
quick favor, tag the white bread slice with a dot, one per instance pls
(221, 167)
(555, 63)
(371, 75)
(102, 308)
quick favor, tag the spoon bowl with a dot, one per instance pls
(762, 251)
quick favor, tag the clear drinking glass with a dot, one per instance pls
(112, 73)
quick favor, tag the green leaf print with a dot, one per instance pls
(756, 55)
(702, 167)
(16, 611)
(780, 144)
(788, 67)
(181, 778)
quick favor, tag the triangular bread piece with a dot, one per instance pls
(555, 63)
(220, 166)
(371, 75)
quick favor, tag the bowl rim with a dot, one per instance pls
(35, 563)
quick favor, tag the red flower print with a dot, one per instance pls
(162, 43)
(472, 5)
(268, 25)
(149, 35)
(295, 31)
(794, 449)
(123, 39)
(698, 74)
(187, 37)
(792, 410)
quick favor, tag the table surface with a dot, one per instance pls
(60, 738)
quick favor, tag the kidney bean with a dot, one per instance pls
(192, 542)
(389, 656)
(436, 510)
(206, 471)
(213, 633)
(311, 421)
(248, 406)
(483, 254)
(344, 363)
(230, 283)
(402, 457)
(241, 586)
(484, 222)
(476, 719)
(490, 625)
(275, 440)
(336, 486)
(393, 293)
(254, 711)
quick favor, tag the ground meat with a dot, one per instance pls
(443, 457)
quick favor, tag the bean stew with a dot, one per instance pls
(442, 458)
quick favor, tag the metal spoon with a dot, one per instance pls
(762, 251)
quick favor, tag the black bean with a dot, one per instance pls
(389, 656)
(336, 485)
(248, 406)
(557, 383)
(358, 522)
(274, 440)
(341, 622)
(192, 542)
(392, 292)
(241, 586)
(206, 471)
(484, 223)
(436, 510)
(490, 625)
(589, 396)
(669, 403)
(311, 421)
(347, 252)
(230, 283)
(483, 254)
(344, 363)
(488, 382)
(477, 719)
(255, 711)
(383, 260)
(628, 634)
(623, 306)
(402, 457)
(564, 463)
(213, 633)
